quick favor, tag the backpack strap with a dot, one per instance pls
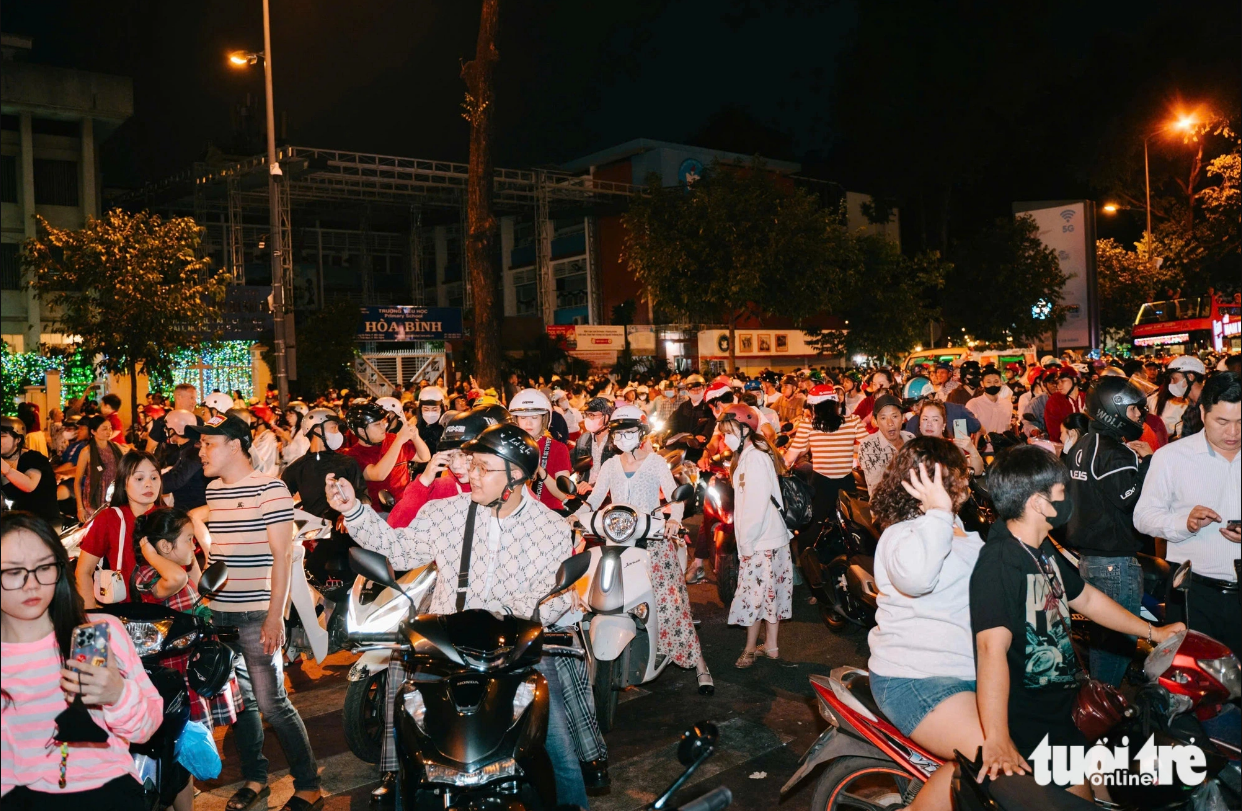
(467, 541)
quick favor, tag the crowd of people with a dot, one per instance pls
(1107, 457)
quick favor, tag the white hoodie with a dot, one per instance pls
(757, 522)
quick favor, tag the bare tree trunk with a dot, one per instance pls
(133, 393)
(483, 271)
(732, 343)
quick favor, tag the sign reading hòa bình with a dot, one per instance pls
(400, 323)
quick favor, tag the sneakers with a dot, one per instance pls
(697, 573)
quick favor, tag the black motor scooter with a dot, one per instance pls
(160, 633)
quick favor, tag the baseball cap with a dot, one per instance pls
(884, 401)
(230, 427)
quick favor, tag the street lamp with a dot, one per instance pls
(1183, 123)
(243, 59)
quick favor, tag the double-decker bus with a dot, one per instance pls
(1177, 326)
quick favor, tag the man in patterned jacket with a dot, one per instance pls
(517, 546)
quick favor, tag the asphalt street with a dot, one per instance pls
(766, 714)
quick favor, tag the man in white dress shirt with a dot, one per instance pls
(1192, 498)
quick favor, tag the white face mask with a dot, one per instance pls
(669, 393)
(626, 442)
(431, 415)
(1179, 388)
(733, 441)
(594, 424)
(333, 439)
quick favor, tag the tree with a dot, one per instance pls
(331, 365)
(481, 246)
(734, 242)
(131, 287)
(1125, 280)
(997, 277)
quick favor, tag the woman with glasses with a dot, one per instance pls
(39, 610)
(637, 476)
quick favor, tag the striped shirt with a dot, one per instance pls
(30, 672)
(240, 515)
(832, 453)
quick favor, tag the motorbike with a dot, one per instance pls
(159, 633)
(870, 760)
(471, 718)
(717, 488)
(621, 625)
(374, 608)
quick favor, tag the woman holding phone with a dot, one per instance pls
(39, 610)
(934, 421)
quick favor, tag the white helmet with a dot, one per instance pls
(392, 405)
(529, 402)
(432, 394)
(298, 406)
(1187, 364)
(319, 416)
(177, 421)
(218, 402)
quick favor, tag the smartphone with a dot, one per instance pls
(1235, 524)
(90, 644)
(959, 430)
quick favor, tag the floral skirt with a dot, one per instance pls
(764, 588)
(677, 637)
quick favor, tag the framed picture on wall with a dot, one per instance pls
(782, 342)
(745, 343)
(765, 343)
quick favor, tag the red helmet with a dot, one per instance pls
(740, 412)
(264, 413)
(820, 393)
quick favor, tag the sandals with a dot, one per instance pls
(245, 798)
(747, 659)
(707, 687)
(774, 653)
(296, 803)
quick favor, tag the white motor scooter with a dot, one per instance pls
(621, 625)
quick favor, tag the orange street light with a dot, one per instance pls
(1111, 208)
(1183, 123)
(243, 59)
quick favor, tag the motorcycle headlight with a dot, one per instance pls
(641, 611)
(416, 708)
(619, 524)
(148, 637)
(498, 770)
(1226, 671)
(183, 642)
(524, 696)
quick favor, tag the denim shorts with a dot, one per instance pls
(907, 702)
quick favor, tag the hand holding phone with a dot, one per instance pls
(959, 430)
(90, 645)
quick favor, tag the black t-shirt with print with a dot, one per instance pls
(42, 500)
(1009, 590)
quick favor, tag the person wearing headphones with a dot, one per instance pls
(505, 546)
(386, 446)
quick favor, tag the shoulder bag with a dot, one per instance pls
(110, 583)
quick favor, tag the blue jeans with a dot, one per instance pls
(570, 790)
(1122, 579)
(262, 681)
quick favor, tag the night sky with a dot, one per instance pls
(976, 103)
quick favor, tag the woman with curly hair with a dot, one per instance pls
(922, 654)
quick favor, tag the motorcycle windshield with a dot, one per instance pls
(476, 639)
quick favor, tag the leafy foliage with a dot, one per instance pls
(1125, 280)
(132, 287)
(997, 276)
(326, 357)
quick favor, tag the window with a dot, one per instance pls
(526, 293)
(8, 178)
(10, 268)
(453, 255)
(56, 182)
(52, 126)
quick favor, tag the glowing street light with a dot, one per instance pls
(1111, 208)
(244, 59)
(1184, 123)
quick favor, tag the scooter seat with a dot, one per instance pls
(859, 684)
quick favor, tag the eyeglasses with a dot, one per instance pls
(480, 468)
(13, 579)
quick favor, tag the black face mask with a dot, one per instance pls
(1064, 509)
(992, 389)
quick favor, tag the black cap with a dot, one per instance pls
(225, 426)
(885, 400)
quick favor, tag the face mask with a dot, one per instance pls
(1069, 444)
(333, 440)
(769, 399)
(625, 443)
(992, 389)
(594, 424)
(733, 441)
(1064, 509)
(696, 398)
(669, 394)
(431, 415)
(1178, 389)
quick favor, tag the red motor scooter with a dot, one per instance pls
(718, 523)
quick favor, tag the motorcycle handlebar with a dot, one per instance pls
(717, 799)
(563, 650)
(558, 638)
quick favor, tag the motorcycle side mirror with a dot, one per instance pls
(786, 427)
(386, 500)
(572, 504)
(782, 440)
(373, 566)
(1181, 577)
(683, 492)
(697, 741)
(583, 464)
(213, 579)
(568, 573)
(566, 485)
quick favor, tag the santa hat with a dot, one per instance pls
(715, 390)
(820, 393)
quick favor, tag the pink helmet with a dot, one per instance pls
(740, 412)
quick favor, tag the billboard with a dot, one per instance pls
(1068, 227)
(752, 343)
(577, 338)
(400, 323)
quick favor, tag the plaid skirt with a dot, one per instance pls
(219, 711)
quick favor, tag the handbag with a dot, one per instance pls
(1099, 706)
(110, 583)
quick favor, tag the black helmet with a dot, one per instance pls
(509, 443)
(209, 668)
(466, 425)
(1108, 402)
(360, 416)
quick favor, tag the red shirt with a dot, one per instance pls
(117, 428)
(558, 463)
(416, 495)
(101, 540)
(398, 478)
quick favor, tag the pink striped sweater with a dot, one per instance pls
(30, 678)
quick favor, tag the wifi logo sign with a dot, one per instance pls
(1068, 214)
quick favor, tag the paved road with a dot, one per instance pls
(766, 714)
